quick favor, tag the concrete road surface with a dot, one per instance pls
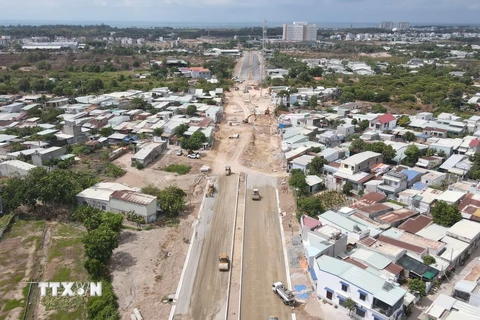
(203, 294)
(263, 260)
(250, 68)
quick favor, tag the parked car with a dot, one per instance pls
(179, 152)
(194, 156)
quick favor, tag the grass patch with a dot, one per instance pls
(178, 168)
(172, 222)
(22, 227)
(63, 274)
(64, 303)
(5, 220)
(65, 230)
(18, 276)
(12, 304)
(12, 279)
(67, 315)
(60, 244)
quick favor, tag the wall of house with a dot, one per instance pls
(147, 211)
(327, 280)
(7, 170)
(38, 160)
(99, 204)
(433, 182)
(299, 166)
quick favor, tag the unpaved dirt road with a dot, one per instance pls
(263, 259)
(203, 294)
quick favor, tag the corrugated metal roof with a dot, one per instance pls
(133, 197)
(363, 279)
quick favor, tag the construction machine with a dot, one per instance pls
(211, 190)
(286, 295)
(228, 170)
(255, 194)
(252, 115)
(223, 262)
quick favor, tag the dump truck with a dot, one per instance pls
(228, 170)
(211, 190)
(223, 262)
(286, 295)
(255, 194)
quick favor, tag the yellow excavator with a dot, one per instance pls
(267, 112)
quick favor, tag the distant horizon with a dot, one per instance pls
(209, 25)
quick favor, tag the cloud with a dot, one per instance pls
(347, 11)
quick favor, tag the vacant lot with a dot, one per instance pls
(46, 251)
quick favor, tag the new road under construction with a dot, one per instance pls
(236, 253)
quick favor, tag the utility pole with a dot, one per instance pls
(262, 65)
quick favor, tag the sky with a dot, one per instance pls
(226, 11)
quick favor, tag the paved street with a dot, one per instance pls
(203, 294)
(250, 68)
(263, 259)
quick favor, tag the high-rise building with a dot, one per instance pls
(387, 25)
(300, 31)
(403, 25)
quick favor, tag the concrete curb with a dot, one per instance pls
(243, 247)
(187, 258)
(285, 255)
(233, 243)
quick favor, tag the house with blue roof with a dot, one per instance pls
(412, 176)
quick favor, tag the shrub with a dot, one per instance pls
(180, 169)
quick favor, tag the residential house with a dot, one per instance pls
(127, 201)
(393, 183)
(148, 153)
(15, 167)
(329, 154)
(396, 217)
(346, 130)
(314, 183)
(467, 231)
(374, 210)
(433, 178)
(424, 116)
(375, 262)
(98, 196)
(384, 122)
(468, 289)
(375, 297)
(13, 108)
(214, 113)
(329, 138)
(429, 162)
(435, 132)
(451, 197)
(473, 124)
(319, 239)
(448, 308)
(301, 162)
(360, 162)
(40, 156)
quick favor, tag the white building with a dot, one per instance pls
(98, 196)
(360, 161)
(299, 31)
(125, 201)
(375, 297)
(15, 167)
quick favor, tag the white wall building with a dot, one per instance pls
(125, 201)
(375, 297)
(300, 31)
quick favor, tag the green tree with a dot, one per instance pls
(378, 108)
(417, 287)
(23, 84)
(310, 206)
(350, 305)
(172, 201)
(191, 110)
(158, 132)
(409, 136)
(428, 260)
(403, 121)
(105, 306)
(195, 142)
(298, 180)
(363, 125)
(316, 71)
(138, 103)
(445, 214)
(430, 152)
(180, 130)
(388, 153)
(316, 165)
(346, 96)
(347, 188)
(106, 131)
(357, 146)
(313, 102)
(412, 153)
(100, 243)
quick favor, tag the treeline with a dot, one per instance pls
(102, 30)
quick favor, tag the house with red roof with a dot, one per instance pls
(384, 122)
(474, 145)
